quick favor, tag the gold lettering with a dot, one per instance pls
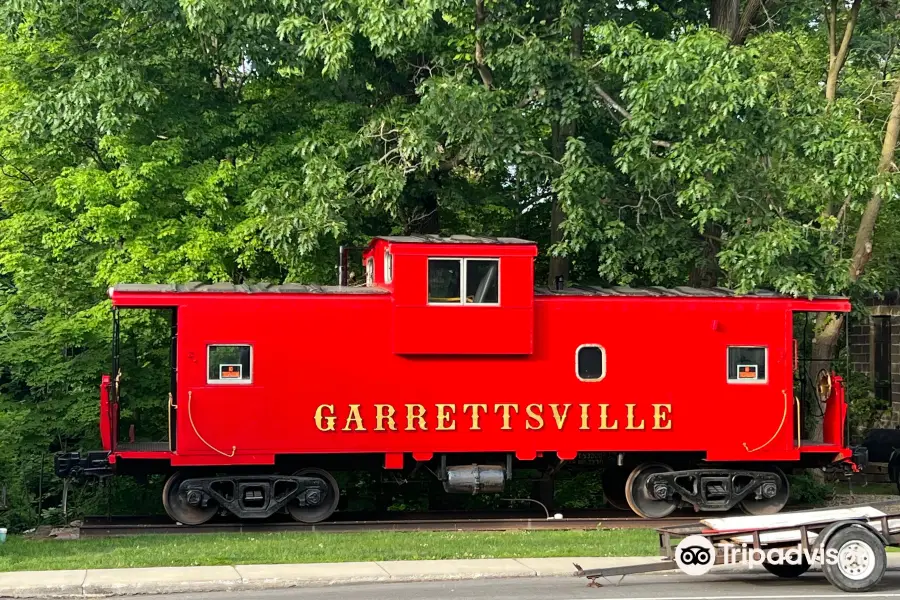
(584, 416)
(506, 408)
(560, 418)
(475, 415)
(631, 418)
(412, 414)
(328, 419)
(534, 412)
(382, 415)
(354, 417)
(603, 417)
(445, 414)
(659, 417)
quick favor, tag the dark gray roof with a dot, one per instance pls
(661, 292)
(255, 288)
(453, 239)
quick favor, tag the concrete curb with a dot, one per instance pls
(169, 580)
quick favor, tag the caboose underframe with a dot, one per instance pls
(449, 361)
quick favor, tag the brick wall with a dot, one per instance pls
(861, 345)
(862, 354)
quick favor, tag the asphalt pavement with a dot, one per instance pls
(670, 586)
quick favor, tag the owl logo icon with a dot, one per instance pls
(695, 555)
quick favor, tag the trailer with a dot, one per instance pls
(850, 543)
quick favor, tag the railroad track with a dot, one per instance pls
(119, 526)
(101, 526)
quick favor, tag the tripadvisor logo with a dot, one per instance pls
(695, 555)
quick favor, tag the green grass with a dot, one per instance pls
(19, 554)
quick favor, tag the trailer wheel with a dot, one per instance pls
(858, 559)
(787, 571)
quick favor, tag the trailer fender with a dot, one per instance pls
(833, 528)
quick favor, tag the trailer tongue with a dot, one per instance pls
(849, 543)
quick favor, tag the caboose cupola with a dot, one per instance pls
(456, 295)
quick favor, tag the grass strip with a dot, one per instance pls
(20, 554)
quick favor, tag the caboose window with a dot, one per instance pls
(370, 271)
(447, 285)
(388, 266)
(590, 362)
(747, 364)
(229, 363)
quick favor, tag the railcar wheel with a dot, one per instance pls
(327, 504)
(180, 509)
(640, 499)
(768, 506)
(613, 481)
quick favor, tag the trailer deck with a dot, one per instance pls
(850, 544)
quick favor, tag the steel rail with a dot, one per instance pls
(124, 528)
(112, 526)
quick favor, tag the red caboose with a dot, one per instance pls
(449, 355)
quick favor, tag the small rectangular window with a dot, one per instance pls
(590, 362)
(370, 271)
(229, 363)
(479, 285)
(388, 266)
(747, 364)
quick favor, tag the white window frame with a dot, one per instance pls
(747, 381)
(388, 266)
(228, 381)
(602, 351)
(370, 272)
(462, 280)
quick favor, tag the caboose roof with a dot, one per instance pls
(453, 239)
(231, 288)
(814, 303)
(662, 292)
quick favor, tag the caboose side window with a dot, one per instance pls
(231, 363)
(464, 281)
(370, 271)
(388, 266)
(747, 364)
(590, 362)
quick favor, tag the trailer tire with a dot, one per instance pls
(861, 559)
(787, 571)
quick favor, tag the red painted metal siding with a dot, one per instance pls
(325, 353)
(455, 329)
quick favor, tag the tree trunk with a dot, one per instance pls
(739, 34)
(825, 341)
(724, 15)
(559, 265)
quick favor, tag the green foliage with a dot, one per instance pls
(809, 491)
(168, 141)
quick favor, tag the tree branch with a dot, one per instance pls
(23, 176)
(836, 63)
(610, 101)
(487, 76)
(862, 247)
